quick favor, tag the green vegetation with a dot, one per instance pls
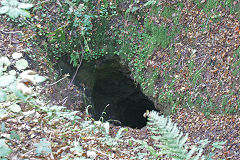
(43, 147)
(14, 8)
(172, 142)
(13, 87)
(4, 149)
(92, 29)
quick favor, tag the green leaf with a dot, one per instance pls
(191, 152)
(13, 12)
(43, 147)
(5, 3)
(25, 6)
(119, 133)
(3, 96)
(24, 13)
(3, 113)
(149, 3)
(219, 144)
(15, 108)
(18, 93)
(105, 2)
(4, 149)
(203, 142)
(127, 11)
(17, 55)
(4, 9)
(14, 135)
(134, 9)
(77, 148)
(21, 64)
(12, 72)
(3, 127)
(40, 79)
(13, 3)
(5, 61)
(6, 80)
(1, 71)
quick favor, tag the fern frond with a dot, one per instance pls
(170, 140)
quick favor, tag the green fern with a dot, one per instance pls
(170, 140)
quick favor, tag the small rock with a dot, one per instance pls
(91, 154)
(16, 55)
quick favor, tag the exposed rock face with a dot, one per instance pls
(113, 93)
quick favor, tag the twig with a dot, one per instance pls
(63, 101)
(102, 153)
(69, 85)
(10, 32)
(80, 62)
(65, 76)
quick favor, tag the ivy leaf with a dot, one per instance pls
(4, 9)
(4, 3)
(3, 96)
(15, 108)
(12, 72)
(1, 70)
(13, 3)
(24, 13)
(4, 149)
(14, 135)
(43, 147)
(3, 127)
(3, 113)
(219, 144)
(14, 89)
(6, 80)
(149, 3)
(21, 64)
(40, 79)
(5, 61)
(25, 6)
(16, 55)
(13, 12)
(134, 9)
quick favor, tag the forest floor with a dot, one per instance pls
(33, 127)
(83, 138)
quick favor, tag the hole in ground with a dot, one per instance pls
(117, 99)
(114, 95)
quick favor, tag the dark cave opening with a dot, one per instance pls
(112, 92)
(116, 97)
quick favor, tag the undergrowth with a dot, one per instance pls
(91, 29)
(172, 142)
(85, 29)
(168, 139)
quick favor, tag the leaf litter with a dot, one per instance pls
(29, 128)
